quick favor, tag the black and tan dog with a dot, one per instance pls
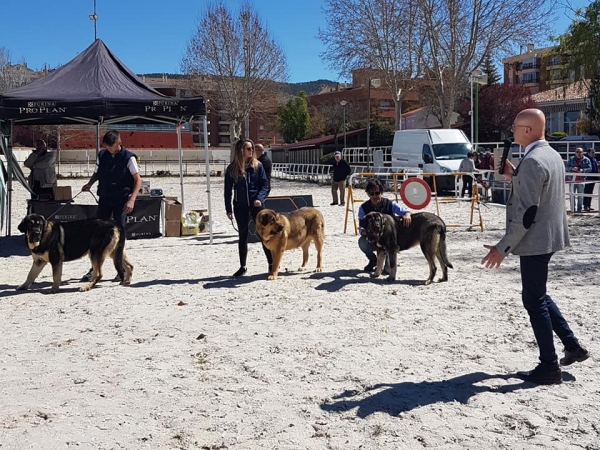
(287, 231)
(391, 236)
(57, 242)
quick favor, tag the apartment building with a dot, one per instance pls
(538, 69)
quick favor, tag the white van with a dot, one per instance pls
(433, 151)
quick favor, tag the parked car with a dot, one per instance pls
(566, 146)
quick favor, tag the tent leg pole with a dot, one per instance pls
(206, 158)
(178, 128)
(9, 188)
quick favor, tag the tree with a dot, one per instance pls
(293, 121)
(499, 104)
(11, 75)
(378, 34)
(235, 63)
(457, 36)
(580, 43)
(490, 70)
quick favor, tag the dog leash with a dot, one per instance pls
(63, 206)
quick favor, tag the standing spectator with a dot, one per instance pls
(468, 167)
(591, 182)
(476, 159)
(119, 183)
(263, 158)
(42, 178)
(536, 228)
(341, 169)
(578, 164)
(246, 177)
(383, 205)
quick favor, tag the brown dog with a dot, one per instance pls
(391, 236)
(57, 242)
(287, 231)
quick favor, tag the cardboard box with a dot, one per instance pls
(173, 209)
(62, 193)
(173, 228)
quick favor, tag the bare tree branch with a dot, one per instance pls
(234, 61)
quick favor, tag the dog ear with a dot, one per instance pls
(23, 225)
(265, 219)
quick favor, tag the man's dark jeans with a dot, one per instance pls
(107, 210)
(544, 315)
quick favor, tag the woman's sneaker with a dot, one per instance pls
(241, 271)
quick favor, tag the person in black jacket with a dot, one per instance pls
(259, 151)
(341, 169)
(590, 182)
(119, 182)
(247, 179)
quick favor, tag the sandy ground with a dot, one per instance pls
(188, 358)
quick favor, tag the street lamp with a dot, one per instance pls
(94, 17)
(344, 103)
(376, 82)
(475, 73)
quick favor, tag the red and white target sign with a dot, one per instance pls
(415, 193)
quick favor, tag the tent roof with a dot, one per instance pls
(94, 87)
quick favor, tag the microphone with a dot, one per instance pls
(507, 144)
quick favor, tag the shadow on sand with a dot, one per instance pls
(396, 398)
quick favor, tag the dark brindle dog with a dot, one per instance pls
(57, 242)
(391, 236)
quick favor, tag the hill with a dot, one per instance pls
(310, 87)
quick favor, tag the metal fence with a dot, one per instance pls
(147, 168)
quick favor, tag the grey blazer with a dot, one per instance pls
(536, 216)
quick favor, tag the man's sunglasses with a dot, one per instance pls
(373, 194)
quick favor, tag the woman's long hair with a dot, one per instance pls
(238, 165)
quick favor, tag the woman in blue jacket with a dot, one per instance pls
(247, 179)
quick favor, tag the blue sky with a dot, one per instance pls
(151, 35)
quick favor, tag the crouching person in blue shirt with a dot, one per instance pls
(382, 205)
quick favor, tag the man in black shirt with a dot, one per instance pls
(341, 169)
(263, 158)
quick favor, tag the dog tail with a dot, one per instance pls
(443, 247)
(119, 252)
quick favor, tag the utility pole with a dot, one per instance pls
(94, 17)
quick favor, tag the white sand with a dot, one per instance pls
(189, 358)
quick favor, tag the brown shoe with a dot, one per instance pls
(580, 354)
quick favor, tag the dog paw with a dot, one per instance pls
(319, 269)
(391, 278)
(85, 288)
(23, 287)
(427, 283)
(125, 283)
(54, 291)
(301, 269)
(375, 275)
(272, 277)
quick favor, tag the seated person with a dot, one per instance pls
(42, 178)
(383, 205)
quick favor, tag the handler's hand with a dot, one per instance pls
(86, 187)
(493, 259)
(129, 206)
(257, 203)
(230, 216)
(509, 170)
(406, 219)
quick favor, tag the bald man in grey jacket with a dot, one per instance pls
(536, 227)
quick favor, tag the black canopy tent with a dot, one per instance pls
(96, 88)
